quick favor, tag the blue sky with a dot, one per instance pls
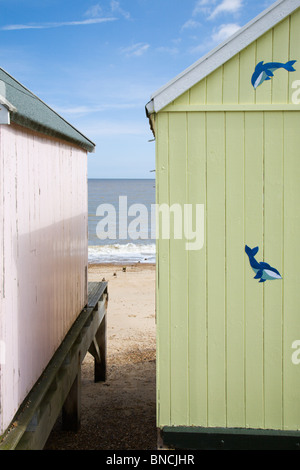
(97, 63)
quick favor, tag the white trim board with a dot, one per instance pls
(7, 104)
(221, 54)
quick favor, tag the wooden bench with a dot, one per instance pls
(59, 387)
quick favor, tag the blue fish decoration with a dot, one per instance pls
(263, 271)
(266, 71)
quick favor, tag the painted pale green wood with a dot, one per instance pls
(163, 275)
(280, 88)
(291, 325)
(294, 33)
(196, 184)
(253, 309)
(264, 51)
(224, 339)
(214, 87)
(184, 98)
(198, 93)
(192, 108)
(235, 261)
(231, 81)
(273, 253)
(170, 107)
(215, 246)
(247, 66)
(178, 274)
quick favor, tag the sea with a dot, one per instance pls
(120, 226)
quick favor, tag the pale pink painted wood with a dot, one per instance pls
(43, 262)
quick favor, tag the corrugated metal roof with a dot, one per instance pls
(27, 110)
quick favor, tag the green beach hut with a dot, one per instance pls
(227, 134)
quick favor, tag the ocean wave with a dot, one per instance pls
(118, 253)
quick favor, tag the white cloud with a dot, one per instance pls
(135, 50)
(190, 24)
(203, 6)
(177, 40)
(94, 11)
(56, 24)
(168, 50)
(211, 10)
(95, 14)
(219, 35)
(224, 32)
(227, 6)
(116, 8)
(83, 109)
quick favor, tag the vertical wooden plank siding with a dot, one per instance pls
(281, 43)
(264, 48)
(253, 310)
(230, 81)
(215, 243)
(273, 242)
(224, 339)
(196, 184)
(178, 272)
(220, 331)
(235, 265)
(44, 243)
(294, 36)
(163, 275)
(291, 292)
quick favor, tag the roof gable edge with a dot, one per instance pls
(222, 53)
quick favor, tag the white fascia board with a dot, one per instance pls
(4, 115)
(7, 104)
(5, 109)
(221, 54)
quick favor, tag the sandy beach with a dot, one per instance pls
(120, 413)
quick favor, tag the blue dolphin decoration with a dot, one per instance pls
(263, 271)
(265, 71)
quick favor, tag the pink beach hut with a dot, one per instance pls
(43, 262)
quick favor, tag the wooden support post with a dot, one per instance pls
(100, 365)
(71, 411)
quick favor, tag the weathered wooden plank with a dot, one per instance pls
(71, 410)
(100, 362)
(95, 292)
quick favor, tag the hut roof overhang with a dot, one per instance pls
(27, 110)
(221, 54)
